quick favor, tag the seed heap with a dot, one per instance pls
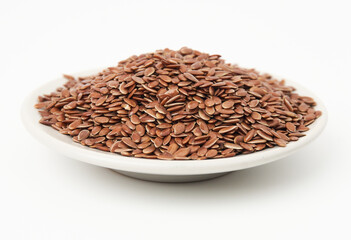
(178, 105)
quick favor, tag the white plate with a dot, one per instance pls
(153, 169)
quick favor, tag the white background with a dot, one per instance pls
(46, 196)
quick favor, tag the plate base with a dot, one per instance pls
(170, 178)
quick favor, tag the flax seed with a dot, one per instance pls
(228, 104)
(178, 128)
(182, 152)
(290, 126)
(84, 134)
(211, 153)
